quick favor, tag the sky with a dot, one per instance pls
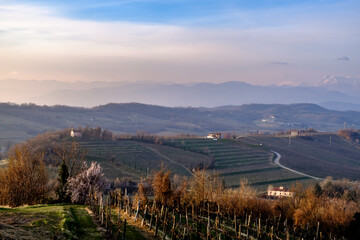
(255, 41)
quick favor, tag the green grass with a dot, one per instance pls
(47, 222)
(54, 221)
(85, 227)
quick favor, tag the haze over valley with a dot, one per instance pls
(337, 93)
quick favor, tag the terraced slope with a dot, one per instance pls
(235, 160)
(320, 154)
(125, 158)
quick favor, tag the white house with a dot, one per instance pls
(75, 133)
(279, 192)
(270, 119)
(294, 133)
(214, 135)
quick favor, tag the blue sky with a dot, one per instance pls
(176, 11)
(255, 41)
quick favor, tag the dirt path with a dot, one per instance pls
(277, 162)
(170, 160)
(99, 228)
(86, 228)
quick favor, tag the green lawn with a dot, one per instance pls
(47, 222)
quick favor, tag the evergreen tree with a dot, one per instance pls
(61, 191)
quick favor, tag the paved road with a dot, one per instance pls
(277, 162)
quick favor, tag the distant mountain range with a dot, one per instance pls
(19, 122)
(346, 85)
(336, 93)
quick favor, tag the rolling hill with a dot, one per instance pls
(237, 160)
(249, 157)
(233, 161)
(19, 122)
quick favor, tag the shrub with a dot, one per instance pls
(89, 180)
(24, 180)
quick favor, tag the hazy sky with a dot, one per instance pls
(255, 41)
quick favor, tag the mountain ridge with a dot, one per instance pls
(201, 94)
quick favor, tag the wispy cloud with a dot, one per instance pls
(279, 63)
(43, 43)
(343, 58)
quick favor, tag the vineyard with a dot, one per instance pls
(319, 154)
(207, 221)
(200, 208)
(234, 161)
(135, 159)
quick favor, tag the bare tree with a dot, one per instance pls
(72, 156)
(24, 180)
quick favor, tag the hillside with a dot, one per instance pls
(133, 159)
(19, 122)
(320, 155)
(130, 159)
(236, 160)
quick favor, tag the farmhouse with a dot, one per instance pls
(214, 135)
(75, 133)
(279, 192)
(270, 119)
(294, 133)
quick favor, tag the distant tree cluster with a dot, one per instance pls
(88, 133)
(350, 134)
(144, 136)
(300, 131)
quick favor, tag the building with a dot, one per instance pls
(75, 133)
(214, 135)
(279, 192)
(270, 119)
(294, 133)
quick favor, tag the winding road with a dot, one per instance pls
(277, 162)
(170, 160)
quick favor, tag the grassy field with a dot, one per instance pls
(236, 160)
(125, 158)
(47, 222)
(320, 155)
(56, 221)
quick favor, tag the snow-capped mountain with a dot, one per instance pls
(347, 85)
